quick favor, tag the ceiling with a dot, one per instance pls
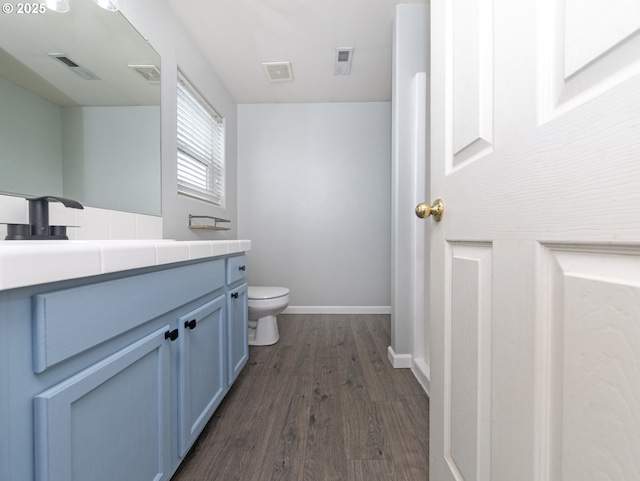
(236, 36)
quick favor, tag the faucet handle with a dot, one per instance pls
(73, 204)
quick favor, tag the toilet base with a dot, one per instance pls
(265, 333)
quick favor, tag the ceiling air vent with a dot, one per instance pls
(343, 61)
(278, 71)
(150, 73)
(83, 72)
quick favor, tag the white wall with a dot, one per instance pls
(314, 198)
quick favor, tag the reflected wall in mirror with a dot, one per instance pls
(80, 109)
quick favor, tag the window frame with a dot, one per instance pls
(201, 153)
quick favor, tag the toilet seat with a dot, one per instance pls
(263, 293)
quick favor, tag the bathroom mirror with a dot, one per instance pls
(79, 107)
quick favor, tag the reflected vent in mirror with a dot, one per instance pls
(83, 72)
(150, 73)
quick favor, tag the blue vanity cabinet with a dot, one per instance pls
(237, 331)
(112, 377)
(237, 299)
(202, 379)
(109, 421)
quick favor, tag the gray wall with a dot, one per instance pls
(314, 198)
(157, 22)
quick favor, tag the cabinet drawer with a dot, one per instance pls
(70, 321)
(236, 268)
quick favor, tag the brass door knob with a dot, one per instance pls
(436, 210)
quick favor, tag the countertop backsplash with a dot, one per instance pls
(92, 223)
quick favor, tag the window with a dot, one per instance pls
(200, 146)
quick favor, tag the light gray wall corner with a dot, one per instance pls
(155, 20)
(314, 198)
(410, 56)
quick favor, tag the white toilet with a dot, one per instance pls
(265, 303)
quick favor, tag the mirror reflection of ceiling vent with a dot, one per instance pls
(83, 72)
(150, 73)
(278, 71)
(343, 61)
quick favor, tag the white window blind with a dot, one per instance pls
(200, 146)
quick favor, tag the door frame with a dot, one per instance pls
(410, 56)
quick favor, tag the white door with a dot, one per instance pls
(535, 266)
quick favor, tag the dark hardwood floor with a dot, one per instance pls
(322, 404)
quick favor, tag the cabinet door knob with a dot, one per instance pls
(190, 324)
(242, 268)
(173, 335)
(234, 295)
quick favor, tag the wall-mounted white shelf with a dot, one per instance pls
(215, 225)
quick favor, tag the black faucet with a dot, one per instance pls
(38, 227)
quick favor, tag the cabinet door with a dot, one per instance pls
(109, 421)
(238, 342)
(201, 369)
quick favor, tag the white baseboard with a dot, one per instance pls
(338, 310)
(399, 361)
(422, 372)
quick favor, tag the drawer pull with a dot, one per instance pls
(173, 335)
(190, 324)
(234, 295)
(242, 268)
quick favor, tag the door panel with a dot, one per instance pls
(471, 60)
(468, 363)
(588, 32)
(592, 382)
(586, 48)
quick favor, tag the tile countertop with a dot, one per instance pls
(27, 263)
